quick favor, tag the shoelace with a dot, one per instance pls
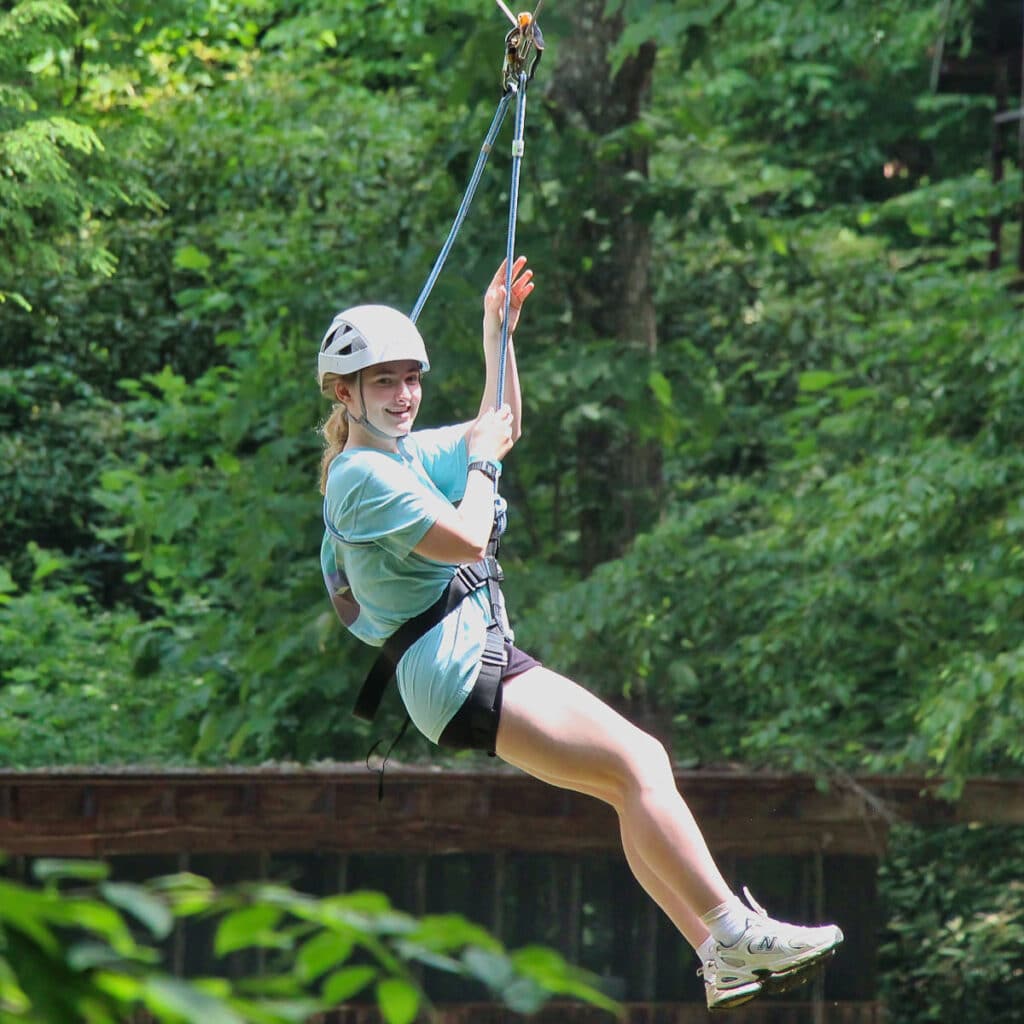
(754, 905)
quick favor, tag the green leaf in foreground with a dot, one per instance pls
(399, 1001)
(146, 908)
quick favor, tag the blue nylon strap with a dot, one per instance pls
(519, 91)
(467, 199)
(513, 211)
(500, 506)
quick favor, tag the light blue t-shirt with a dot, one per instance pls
(378, 507)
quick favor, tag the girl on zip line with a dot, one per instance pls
(406, 512)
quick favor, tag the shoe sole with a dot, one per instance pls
(774, 984)
(728, 1003)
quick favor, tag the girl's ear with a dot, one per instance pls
(342, 392)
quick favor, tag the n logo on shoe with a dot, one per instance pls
(765, 945)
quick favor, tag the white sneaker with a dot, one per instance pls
(725, 990)
(772, 953)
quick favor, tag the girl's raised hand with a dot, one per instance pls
(494, 297)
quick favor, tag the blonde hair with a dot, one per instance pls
(334, 429)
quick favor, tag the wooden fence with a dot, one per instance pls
(111, 812)
(765, 1012)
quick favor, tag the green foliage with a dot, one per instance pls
(834, 403)
(74, 680)
(82, 947)
(58, 183)
(827, 576)
(955, 923)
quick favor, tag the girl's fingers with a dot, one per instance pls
(517, 266)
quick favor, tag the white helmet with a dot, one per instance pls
(366, 335)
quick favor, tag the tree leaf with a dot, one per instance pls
(818, 380)
(167, 996)
(399, 1000)
(48, 869)
(322, 953)
(493, 968)
(249, 926)
(145, 907)
(188, 257)
(343, 984)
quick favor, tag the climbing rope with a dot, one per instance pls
(467, 199)
(513, 211)
(524, 46)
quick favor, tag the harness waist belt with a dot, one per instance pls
(467, 578)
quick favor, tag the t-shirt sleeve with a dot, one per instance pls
(382, 503)
(443, 454)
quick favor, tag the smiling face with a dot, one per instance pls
(388, 396)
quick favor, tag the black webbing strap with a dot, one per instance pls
(487, 689)
(467, 578)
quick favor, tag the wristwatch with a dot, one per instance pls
(490, 468)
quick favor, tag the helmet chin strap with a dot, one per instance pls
(364, 421)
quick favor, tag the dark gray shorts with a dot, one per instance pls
(475, 725)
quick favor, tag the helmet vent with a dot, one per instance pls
(348, 340)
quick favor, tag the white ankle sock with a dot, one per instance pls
(706, 950)
(727, 922)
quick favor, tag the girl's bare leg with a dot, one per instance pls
(558, 731)
(689, 925)
(686, 921)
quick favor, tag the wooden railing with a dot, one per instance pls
(132, 811)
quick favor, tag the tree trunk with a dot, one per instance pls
(618, 478)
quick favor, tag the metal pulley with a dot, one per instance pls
(524, 46)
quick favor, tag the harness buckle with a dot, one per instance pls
(472, 574)
(475, 575)
(494, 652)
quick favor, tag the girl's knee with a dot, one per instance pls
(655, 767)
(646, 768)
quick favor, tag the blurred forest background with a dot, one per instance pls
(770, 499)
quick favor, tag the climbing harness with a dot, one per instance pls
(467, 579)
(524, 46)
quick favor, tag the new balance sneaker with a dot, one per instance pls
(775, 955)
(724, 989)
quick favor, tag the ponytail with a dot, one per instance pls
(334, 431)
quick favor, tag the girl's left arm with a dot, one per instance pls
(494, 306)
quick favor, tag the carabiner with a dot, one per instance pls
(524, 38)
